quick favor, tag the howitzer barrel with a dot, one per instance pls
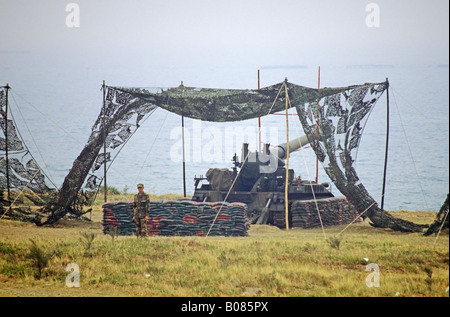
(281, 150)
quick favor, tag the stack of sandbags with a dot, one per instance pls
(180, 217)
(222, 219)
(333, 211)
(118, 216)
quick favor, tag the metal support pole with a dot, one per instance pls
(318, 127)
(104, 139)
(259, 120)
(184, 157)
(286, 181)
(8, 186)
(387, 144)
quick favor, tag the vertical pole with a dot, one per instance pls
(317, 131)
(184, 158)
(104, 138)
(387, 144)
(286, 185)
(259, 121)
(6, 145)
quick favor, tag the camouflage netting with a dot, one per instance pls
(121, 115)
(118, 120)
(224, 105)
(442, 220)
(341, 118)
(20, 175)
(24, 172)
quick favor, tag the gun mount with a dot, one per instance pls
(259, 180)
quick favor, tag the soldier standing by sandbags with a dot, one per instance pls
(141, 210)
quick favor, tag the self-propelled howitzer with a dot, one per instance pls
(259, 180)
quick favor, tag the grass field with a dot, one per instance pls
(360, 261)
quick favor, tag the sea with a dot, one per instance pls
(56, 102)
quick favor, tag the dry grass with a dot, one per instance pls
(269, 262)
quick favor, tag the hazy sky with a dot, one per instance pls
(263, 32)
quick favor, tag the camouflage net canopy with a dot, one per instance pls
(341, 119)
(339, 112)
(125, 108)
(224, 105)
(121, 115)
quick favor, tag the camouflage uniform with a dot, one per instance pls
(141, 209)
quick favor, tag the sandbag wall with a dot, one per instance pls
(333, 211)
(179, 218)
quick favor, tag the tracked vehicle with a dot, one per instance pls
(259, 180)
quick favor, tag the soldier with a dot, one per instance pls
(141, 210)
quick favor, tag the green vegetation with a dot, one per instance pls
(38, 257)
(269, 262)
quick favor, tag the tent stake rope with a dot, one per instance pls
(410, 152)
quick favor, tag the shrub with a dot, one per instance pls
(38, 257)
(334, 242)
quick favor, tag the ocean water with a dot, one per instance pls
(56, 102)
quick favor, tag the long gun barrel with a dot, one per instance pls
(270, 160)
(280, 151)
